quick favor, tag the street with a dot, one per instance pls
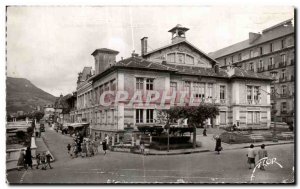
(228, 167)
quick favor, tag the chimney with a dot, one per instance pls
(103, 59)
(253, 37)
(144, 44)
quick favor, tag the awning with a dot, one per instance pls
(75, 125)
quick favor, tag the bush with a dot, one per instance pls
(172, 139)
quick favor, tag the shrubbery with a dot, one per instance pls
(172, 139)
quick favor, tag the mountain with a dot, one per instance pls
(21, 94)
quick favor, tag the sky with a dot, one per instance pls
(50, 45)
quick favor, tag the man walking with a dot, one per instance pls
(262, 153)
(251, 156)
(48, 158)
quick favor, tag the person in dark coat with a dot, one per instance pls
(21, 160)
(48, 159)
(28, 158)
(104, 146)
(204, 132)
(218, 144)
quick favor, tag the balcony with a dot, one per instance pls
(260, 69)
(282, 64)
(222, 101)
(270, 67)
(250, 101)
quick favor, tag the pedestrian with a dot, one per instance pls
(91, 148)
(69, 148)
(218, 147)
(28, 158)
(21, 162)
(204, 132)
(262, 153)
(38, 160)
(95, 146)
(48, 159)
(142, 148)
(43, 161)
(83, 149)
(104, 146)
(251, 156)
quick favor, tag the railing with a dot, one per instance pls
(250, 101)
(270, 67)
(282, 64)
(261, 69)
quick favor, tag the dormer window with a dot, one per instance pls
(180, 58)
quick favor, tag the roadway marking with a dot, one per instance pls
(23, 176)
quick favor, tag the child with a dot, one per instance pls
(38, 160)
(48, 158)
(251, 156)
(43, 161)
(262, 153)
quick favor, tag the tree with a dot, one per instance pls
(195, 114)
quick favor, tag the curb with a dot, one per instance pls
(271, 144)
(167, 153)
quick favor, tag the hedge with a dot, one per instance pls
(172, 139)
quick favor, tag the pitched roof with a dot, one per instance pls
(242, 73)
(183, 41)
(105, 50)
(268, 34)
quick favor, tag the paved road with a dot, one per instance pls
(229, 167)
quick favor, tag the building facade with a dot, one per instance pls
(272, 53)
(172, 69)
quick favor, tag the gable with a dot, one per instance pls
(181, 53)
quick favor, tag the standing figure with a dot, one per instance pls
(142, 148)
(69, 148)
(104, 146)
(83, 149)
(262, 153)
(28, 158)
(204, 132)
(251, 156)
(48, 158)
(21, 162)
(218, 144)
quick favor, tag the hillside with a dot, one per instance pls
(21, 94)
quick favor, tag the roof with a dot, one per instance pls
(247, 74)
(106, 50)
(183, 41)
(178, 26)
(267, 35)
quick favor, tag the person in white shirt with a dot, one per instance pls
(251, 156)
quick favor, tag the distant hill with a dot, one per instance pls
(21, 94)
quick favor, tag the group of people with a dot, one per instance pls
(25, 160)
(86, 148)
(252, 153)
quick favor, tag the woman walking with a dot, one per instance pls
(251, 156)
(28, 158)
(104, 146)
(218, 144)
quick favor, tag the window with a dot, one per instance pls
(284, 89)
(101, 89)
(106, 116)
(261, 64)
(222, 92)
(149, 84)
(256, 93)
(256, 117)
(251, 67)
(149, 116)
(249, 94)
(180, 58)
(271, 47)
(222, 117)
(171, 57)
(274, 75)
(283, 107)
(271, 62)
(189, 59)
(225, 63)
(106, 87)
(272, 90)
(283, 59)
(209, 90)
(240, 57)
(283, 74)
(187, 86)
(112, 116)
(139, 83)
(283, 43)
(251, 54)
(231, 59)
(249, 117)
(261, 52)
(173, 86)
(139, 116)
(199, 90)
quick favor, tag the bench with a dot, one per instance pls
(257, 138)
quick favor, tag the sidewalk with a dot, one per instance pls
(42, 147)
